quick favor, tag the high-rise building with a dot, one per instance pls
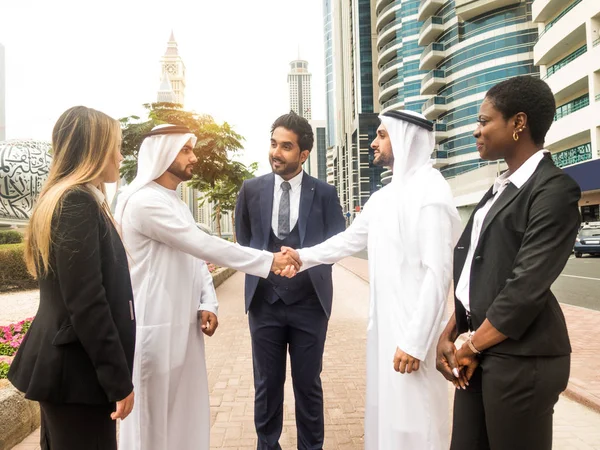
(351, 46)
(2, 95)
(316, 165)
(299, 80)
(568, 53)
(469, 46)
(172, 65)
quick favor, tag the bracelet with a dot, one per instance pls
(472, 347)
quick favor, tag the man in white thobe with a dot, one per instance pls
(409, 227)
(172, 290)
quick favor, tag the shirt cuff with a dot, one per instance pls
(210, 308)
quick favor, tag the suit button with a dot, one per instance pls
(478, 258)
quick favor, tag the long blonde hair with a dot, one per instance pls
(84, 141)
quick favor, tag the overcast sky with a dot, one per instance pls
(106, 55)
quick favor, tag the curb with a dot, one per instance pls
(576, 392)
(20, 417)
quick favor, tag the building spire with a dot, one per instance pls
(172, 46)
(165, 91)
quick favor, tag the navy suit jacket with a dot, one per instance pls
(319, 218)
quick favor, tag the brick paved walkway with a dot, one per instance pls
(230, 375)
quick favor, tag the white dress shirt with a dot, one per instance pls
(296, 189)
(519, 178)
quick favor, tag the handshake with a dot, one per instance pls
(286, 263)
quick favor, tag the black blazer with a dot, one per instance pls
(525, 242)
(320, 217)
(80, 346)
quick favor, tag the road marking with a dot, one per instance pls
(583, 278)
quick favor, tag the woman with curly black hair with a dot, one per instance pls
(515, 362)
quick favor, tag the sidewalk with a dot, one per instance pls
(229, 365)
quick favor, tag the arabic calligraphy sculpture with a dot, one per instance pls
(24, 166)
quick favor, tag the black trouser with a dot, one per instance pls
(302, 326)
(77, 427)
(509, 403)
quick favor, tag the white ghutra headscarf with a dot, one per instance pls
(158, 151)
(416, 184)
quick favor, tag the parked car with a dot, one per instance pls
(588, 241)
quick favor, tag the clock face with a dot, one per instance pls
(171, 68)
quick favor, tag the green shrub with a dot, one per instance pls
(4, 369)
(10, 237)
(13, 272)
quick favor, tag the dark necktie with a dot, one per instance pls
(283, 228)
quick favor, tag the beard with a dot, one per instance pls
(180, 172)
(383, 161)
(285, 168)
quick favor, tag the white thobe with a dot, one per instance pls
(407, 306)
(171, 282)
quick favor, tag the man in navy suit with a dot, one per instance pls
(288, 208)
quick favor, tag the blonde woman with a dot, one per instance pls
(77, 357)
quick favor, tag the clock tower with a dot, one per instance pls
(173, 68)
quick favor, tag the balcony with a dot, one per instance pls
(432, 82)
(572, 128)
(433, 54)
(429, 8)
(390, 88)
(389, 32)
(573, 155)
(394, 103)
(572, 106)
(542, 10)
(551, 70)
(387, 13)
(388, 52)
(440, 159)
(390, 70)
(469, 9)
(386, 177)
(441, 132)
(434, 107)
(557, 18)
(565, 32)
(431, 30)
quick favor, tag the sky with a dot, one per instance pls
(106, 55)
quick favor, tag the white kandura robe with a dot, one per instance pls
(407, 310)
(170, 283)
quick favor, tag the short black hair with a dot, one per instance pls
(528, 95)
(298, 125)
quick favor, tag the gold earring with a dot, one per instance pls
(515, 135)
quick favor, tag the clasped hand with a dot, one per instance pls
(286, 263)
(457, 366)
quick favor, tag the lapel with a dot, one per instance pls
(266, 206)
(462, 247)
(505, 199)
(306, 197)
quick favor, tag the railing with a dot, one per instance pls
(396, 41)
(565, 61)
(392, 102)
(557, 18)
(437, 100)
(436, 73)
(433, 20)
(442, 127)
(571, 107)
(573, 155)
(433, 47)
(396, 22)
(390, 6)
(596, 42)
(438, 154)
(391, 83)
(388, 65)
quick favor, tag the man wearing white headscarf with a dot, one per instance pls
(409, 227)
(173, 289)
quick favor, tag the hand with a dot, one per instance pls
(209, 322)
(286, 263)
(446, 363)
(124, 408)
(290, 271)
(467, 360)
(403, 362)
